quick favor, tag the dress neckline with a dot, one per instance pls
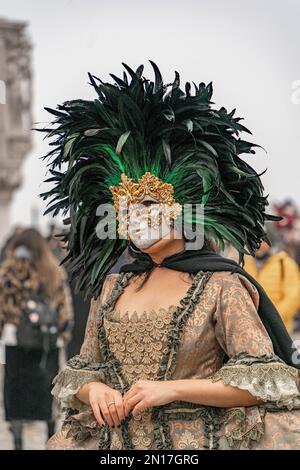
(135, 316)
(115, 315)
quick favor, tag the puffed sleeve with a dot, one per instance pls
(88, 366)
(252, 364)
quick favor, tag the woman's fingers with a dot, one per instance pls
(120, 406)
(114, 414)
(139, 407)
(131, 402)
(105, 411)
(112, 408)
(130, 394)
(97, 413)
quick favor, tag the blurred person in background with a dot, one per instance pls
(291, 242)
(81, 305)
(35, 319)
(16, 231)
(288, 211)
(279, 275)
(297, 240)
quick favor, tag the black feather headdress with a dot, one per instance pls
(134, 126)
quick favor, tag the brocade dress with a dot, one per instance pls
(215, 332)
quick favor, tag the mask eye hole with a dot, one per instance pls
(148, 203)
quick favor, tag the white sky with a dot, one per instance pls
(249, 49)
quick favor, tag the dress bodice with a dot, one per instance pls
(138, 340)
(217, 317)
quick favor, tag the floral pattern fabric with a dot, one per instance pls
(214, 333)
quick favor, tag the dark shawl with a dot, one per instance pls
(193, 261)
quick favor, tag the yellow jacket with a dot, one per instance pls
(279, 276)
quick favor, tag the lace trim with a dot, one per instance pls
(246, 430)
(241, 425)
(136, 317)
(181, 313)
(267, 378)
(117, 378)
(82, 426)
(177, 324)
(168, 362)
(68, 382)
(77, 372)
(180, 410)
(162, 436)
(79, 362)
(138, 343)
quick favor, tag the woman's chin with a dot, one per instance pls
(147, 247)
(158, 245)
(155, 246)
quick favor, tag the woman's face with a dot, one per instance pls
(149, 223)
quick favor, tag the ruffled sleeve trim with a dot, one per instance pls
(242, 426)
(78, 372)
(266, 377)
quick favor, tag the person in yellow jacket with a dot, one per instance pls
(279, 275)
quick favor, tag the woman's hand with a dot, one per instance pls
(148, 393)
(106, 403)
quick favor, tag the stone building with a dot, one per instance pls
(15, 112)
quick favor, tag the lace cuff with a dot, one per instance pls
(267, 378)
(77, 372)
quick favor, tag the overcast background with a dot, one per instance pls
(249, 49)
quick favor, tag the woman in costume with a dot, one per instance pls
(183, 349)
(31, 279)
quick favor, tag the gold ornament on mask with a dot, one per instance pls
(147, 185)
(131, 192)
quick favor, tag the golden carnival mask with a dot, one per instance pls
(132, 193)
(147, 185)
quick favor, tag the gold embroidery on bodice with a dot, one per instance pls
(138, 342)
